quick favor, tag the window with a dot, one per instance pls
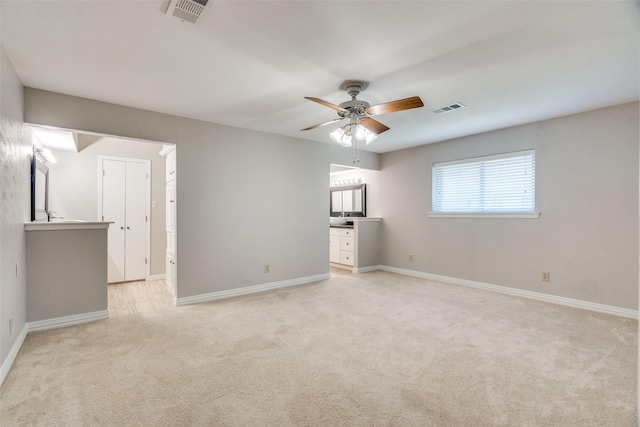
(500, 184)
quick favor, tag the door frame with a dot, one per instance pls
(147, 203)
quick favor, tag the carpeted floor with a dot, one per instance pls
(375, 349)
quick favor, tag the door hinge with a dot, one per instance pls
(147, 176)
(102, 218)
(103, 173)
(145, 261)
(146, 218)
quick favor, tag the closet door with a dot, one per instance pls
(113, 210)
(124, 200)
(135, 221)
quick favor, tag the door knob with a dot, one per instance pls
(121, 228)
(128, 228)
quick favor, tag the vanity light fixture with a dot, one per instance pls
(351, 181)
(44, 154)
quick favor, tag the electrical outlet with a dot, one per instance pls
(411, 257)
(545, 276)
(267, 268)
(10, 325)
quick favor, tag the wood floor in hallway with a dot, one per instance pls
(137, 297)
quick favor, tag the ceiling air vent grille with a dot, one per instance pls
(187, 10)
(448, 108)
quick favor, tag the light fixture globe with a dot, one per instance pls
(346, 139)
(361, 132)
(370, 137)
(337, 135)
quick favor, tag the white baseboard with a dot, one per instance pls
(366, 269)
(249, 289)
(11, 357)
(156, 277)
(570, 302)
(60, 322)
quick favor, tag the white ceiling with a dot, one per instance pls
(250, 63)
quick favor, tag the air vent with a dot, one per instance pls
(187, 10)
(447, 108)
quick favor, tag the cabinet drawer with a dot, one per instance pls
(346, 243)
(346, 257)
(345, 232)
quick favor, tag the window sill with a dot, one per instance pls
(520, 215)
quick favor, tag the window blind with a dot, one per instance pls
(500, 183)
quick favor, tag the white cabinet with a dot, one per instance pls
(170, 278)
(341, 245)
(169, 151)
(170, 208)
(357, 248)
(171, 163)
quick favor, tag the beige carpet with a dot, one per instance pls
(375, 349)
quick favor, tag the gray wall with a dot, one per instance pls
(586, 191)
(14, 206)
(73, 188)
(52, 291)
(244, 198)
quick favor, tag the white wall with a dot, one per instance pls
(14, 208)
(73, 186)
(586, 191)
(244, 198)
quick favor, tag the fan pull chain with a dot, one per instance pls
(356, 152)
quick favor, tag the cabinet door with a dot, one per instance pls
(171, 165)
(170, 270)
(171, 207)
(334, 248)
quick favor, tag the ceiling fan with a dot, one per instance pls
(361, 125)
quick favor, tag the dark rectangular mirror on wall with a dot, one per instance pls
(348, 200)
(39, 190)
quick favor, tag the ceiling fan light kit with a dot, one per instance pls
(361, 127)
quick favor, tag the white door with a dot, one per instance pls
(113, 210)
(124, 200)
(135, 228)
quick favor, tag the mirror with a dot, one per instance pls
(39, 190)
(348, 200)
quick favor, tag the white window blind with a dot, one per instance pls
(490, 184)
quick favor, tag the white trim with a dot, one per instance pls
(357, 270)
(249, 289)
(570, 302)
(13, 353)
(157, 277)
(533, 215)
(60, 322)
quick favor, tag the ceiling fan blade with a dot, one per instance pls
(327, 104)
(373, 125)
(393, 106)
(323, 124)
